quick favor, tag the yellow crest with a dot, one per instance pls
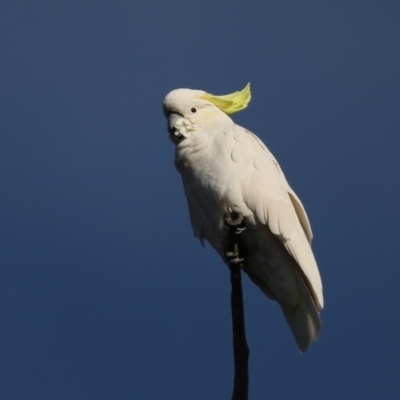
(231, 103)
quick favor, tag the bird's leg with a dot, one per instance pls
(234, 222)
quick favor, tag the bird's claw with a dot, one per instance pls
(240, 229)
(233, 258)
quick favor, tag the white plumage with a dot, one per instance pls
(225, 168)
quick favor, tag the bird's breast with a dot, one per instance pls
(207, 173)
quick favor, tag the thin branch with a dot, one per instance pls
(234, 223)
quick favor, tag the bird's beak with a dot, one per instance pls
(172, 118)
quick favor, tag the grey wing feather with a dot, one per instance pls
(269, 201)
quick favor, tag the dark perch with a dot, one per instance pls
(235, 225)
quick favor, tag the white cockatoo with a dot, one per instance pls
(227, 169)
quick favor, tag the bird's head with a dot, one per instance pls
(189, 111)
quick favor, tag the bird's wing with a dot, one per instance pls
(268, 196)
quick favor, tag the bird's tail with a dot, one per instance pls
(303, 320)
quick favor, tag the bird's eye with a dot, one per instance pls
(193, 110)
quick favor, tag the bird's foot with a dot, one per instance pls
(234, 221)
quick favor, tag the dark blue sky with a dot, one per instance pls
(104, 292)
